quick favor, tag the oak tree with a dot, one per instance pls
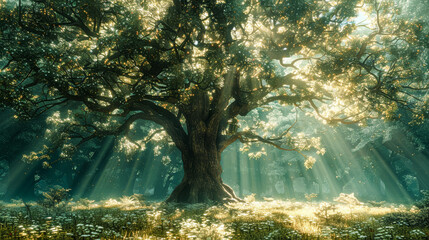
(194, 67)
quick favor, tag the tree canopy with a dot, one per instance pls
(193, 67)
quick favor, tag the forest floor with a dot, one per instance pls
(131, 218)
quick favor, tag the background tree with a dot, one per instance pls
(16, 139)
(192, 67)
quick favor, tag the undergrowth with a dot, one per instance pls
(133, 218)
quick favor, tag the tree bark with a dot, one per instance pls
(201, 151)
(202, 182)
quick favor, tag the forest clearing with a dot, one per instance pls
(129, 218)
(214, 119)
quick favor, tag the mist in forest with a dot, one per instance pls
(379, 162)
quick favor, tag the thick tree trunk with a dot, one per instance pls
(201, 149)
(202, 182)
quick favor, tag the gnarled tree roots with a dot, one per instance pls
(202, 191)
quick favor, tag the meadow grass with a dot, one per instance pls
(131, 218)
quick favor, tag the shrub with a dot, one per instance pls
(419, 219)
(424, 202)
(138, 197)
(327, 213)
(55, 197)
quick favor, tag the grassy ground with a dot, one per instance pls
(129, 218)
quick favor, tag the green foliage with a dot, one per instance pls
(255, 220)
(424, 201)
(56, 197)
(195, 67)
(263, 230)
(113, 55)
(419, 219)
(139, 198)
